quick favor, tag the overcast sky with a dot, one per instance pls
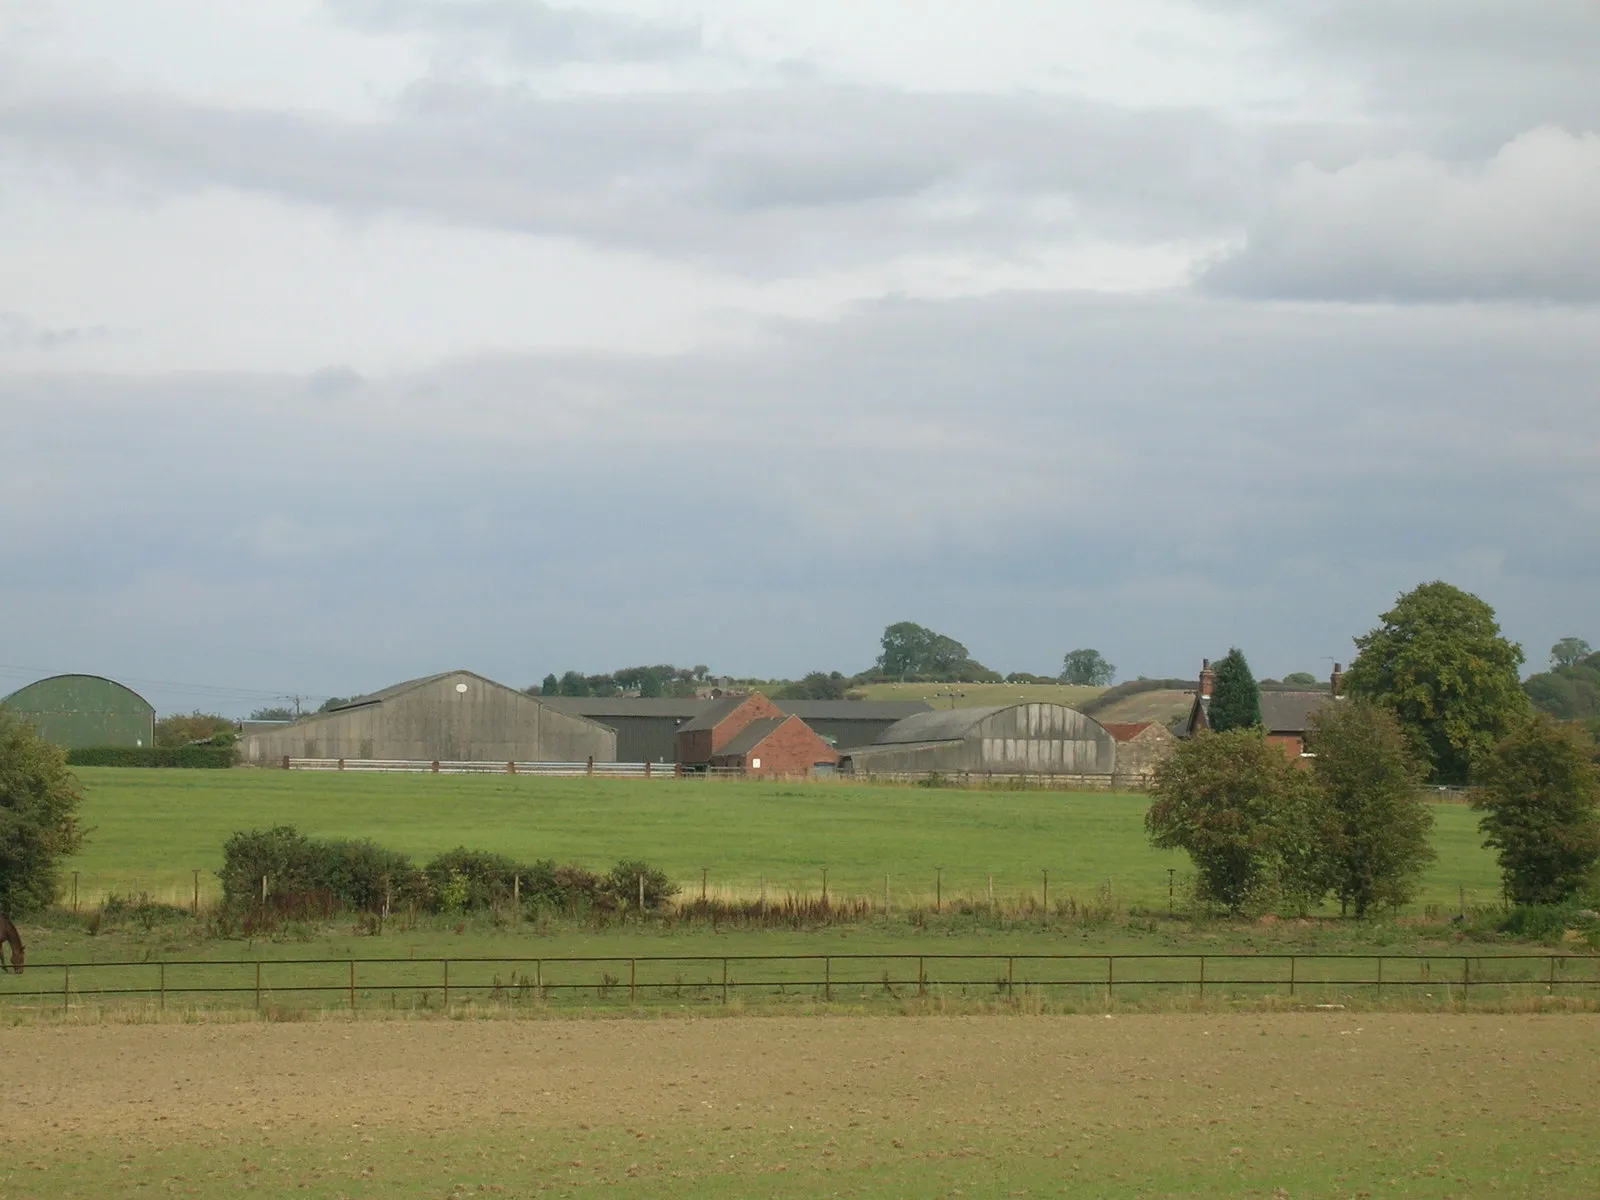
(348, 341)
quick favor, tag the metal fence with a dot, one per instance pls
(718, 979)
(641, 770)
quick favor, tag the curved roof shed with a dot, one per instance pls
(1014, 739)
(78, 711)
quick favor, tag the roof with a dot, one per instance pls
(395, 689)
(1290, 712)
(752, 735)
(22, 691)
(628, 706)
(1126, 733)
(714, 713)
(854, 710)
(943, 725)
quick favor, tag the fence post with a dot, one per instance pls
(1293, 960)
(1111, 961)
(197, 891)
(827, 978)
(352, 985)
(436, 766)
(447, 985)
(163, 1005)
(1380, 977)
(538, 979)
(824, 887)
(263, 891)
(66, 987)
(1202, 974)
(590, 769)
(1011, 976)
(677, 770)
(74, 891)
(511, 767)
(516, 889)
(341, 764)
(922, 977)
(647, 768)
(258, 985)
(285, 762)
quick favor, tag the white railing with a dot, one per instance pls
(406, 766)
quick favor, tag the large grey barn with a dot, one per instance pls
(647, 729)
(1017, 739)
(454, 717)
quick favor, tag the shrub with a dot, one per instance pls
(481, 878)
(362, 875)
(214, 757)
(282, 855)
(625, 880)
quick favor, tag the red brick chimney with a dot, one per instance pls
(1336, 683)
(1208, 679)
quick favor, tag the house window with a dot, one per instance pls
(755, 764)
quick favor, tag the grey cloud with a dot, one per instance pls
(1521, 225)
(1165, 474)
(769, 181)
(1463, 76)
(19, 333)
(528, 30)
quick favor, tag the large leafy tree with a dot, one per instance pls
(1088, 668)
(1440, 664)
(911, 650)
(1372, 823)
(1235, 698)
(1238, 808)
(1569, 652)
(39, 824)
(1540, 800)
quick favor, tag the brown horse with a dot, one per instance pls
(9, 935)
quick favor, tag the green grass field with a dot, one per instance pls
(152, 829)
(977, 695)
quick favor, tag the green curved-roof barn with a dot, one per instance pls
(76, 711)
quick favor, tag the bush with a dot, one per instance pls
(217, 757)
(465, 880)
(625, 880)
(282, 855)
(361, 874)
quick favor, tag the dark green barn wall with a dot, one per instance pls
(77, 711)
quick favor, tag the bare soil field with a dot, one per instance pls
(1298, 1105)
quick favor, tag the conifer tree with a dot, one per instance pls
(1235, 698)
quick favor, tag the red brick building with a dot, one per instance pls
(1287, 715)
(752, 734)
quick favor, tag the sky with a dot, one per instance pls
(344, 341)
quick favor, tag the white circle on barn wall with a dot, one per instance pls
(461, 687)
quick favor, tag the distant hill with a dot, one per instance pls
(1162, 701)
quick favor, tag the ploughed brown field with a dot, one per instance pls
(1299, 1105)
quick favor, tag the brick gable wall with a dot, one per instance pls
(697, 746)
(792, 749)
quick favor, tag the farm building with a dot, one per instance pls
(1016, 739)
(1141, 746)
(647, 729)
(1286, 714)
(453, 717)
(78, 711)
(752, 734)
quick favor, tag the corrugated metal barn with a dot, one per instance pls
(78, 711)
(647, 730)
(454, 717)
(1017, 739)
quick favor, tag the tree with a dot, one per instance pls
(817, 685)
(1235, 698)
(551, 685)
(1300, 679)
(39, 825)
(274, 712)
(1372, 823)
(909, 650)
(1235, 805)
(1540, 800)
(1087, 669)
(1439, 664)
(182, 730)
(1569, 652)
(574, 684)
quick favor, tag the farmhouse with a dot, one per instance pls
(78, 711)
(1016, 739)
(1286, 713)
(453, 717)
(647, 729)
